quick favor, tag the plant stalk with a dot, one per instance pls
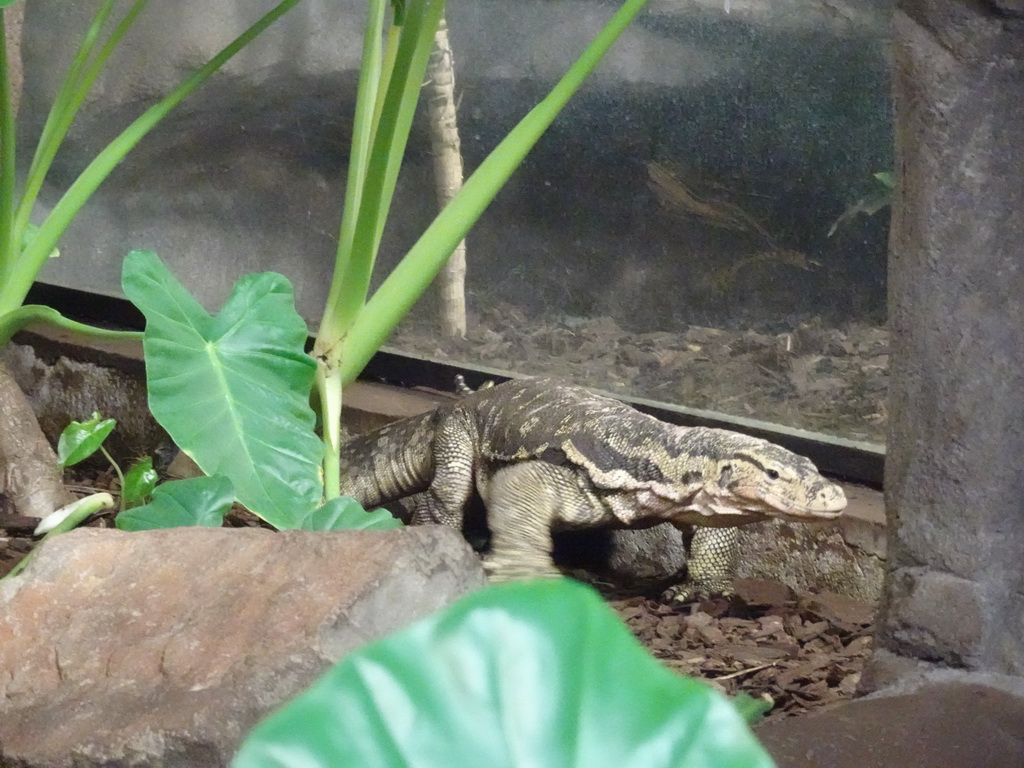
(29, 314)
(328, 384)
(385, 105)
(413, 274)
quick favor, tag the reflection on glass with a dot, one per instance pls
(704, 225)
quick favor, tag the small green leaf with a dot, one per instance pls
(196, 501)
(139, 481)
(888, 178)
(872, 203)
(233, 390)
(539, 674)
(345, 513)
(81, 439)
(750, 709)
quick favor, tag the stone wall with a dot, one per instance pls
(955, 466)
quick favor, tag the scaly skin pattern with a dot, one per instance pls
(545, 455)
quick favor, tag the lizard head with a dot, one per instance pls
(759, 478)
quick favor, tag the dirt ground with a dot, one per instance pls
(810, 376)
(799, 650)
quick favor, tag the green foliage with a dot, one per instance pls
(343, 512)
(352, 327)
(81, 439)
(196, 501)
(139, 482)
(528, 674)
(750, 709)
(374, 321)
(876, 200)
(233, 390)
(24, 247)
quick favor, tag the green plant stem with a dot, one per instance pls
(80, 78)
(326, 348)
(16, 286)
(384, 112)
(405, 64)
(8, 244)
(328, 384)
(15, 320)
(362, 140)
(120, 475)
(399, 105)
(379, 317)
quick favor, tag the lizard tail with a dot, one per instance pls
(390, 463)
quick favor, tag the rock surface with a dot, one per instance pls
(952, 724)
(165, 647)
(954, 586)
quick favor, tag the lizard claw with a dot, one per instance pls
(692, 591)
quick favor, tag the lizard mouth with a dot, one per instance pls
(827, 504)
(825, 508)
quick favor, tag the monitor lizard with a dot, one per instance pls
(544, 455)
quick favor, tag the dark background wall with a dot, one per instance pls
(778, 108)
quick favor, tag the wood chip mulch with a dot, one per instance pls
(800, 650)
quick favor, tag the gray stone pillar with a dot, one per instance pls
(954, 591)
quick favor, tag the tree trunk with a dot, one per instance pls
(446, 147)
(29, 477)
(14, 16)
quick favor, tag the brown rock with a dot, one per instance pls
(839, 609)
(763, 592)
(953, 725)
(165, 647)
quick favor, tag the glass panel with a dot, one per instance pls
(680, 233)
(671, 237)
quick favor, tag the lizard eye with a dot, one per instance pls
(772, 474)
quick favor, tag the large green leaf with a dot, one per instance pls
(538, 674)
(233, 390)
(345, 513)
(196, 501)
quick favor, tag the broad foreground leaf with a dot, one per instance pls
(196, 501)
(233, 390)
(538, 674)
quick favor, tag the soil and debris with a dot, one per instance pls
(799, 650)
(810, 376)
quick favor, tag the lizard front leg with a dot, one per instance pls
(524, 502)
(451, 487)
(710, 564)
